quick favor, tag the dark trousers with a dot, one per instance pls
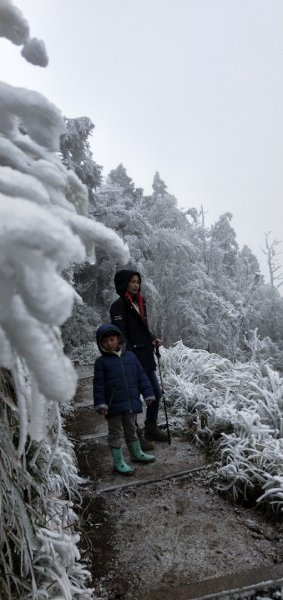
(152, 409)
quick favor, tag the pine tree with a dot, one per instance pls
(223, 237)
(159, 186)
(120, 178)
(199, 285)
(276, 280)
(77, 155)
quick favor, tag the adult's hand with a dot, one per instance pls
(102, 412)
(149, 401)
(157, 342)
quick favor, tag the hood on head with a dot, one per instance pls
(122, 279)
(107, 328)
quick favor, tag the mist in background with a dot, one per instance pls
(191, 88)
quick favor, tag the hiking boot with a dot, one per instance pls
(137, 453)
(153, 432)
(119, 464)
(145, 444)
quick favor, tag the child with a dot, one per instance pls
(119, 379)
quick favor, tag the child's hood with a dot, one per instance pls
(108, 328)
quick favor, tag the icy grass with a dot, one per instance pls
(38, 550)
(237, 410)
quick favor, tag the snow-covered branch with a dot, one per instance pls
(44, 228)
(15, 28)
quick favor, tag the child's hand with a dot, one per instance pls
(102, 412)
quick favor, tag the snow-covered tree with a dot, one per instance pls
(223, 238)
(77, 155)
(200, 286)
(274, 268)
(275, 316)
(119, 177)
(44, 227)
(159, 186)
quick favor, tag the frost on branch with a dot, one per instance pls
(44, 228)
(34, 52)
(13, 25)
(41, 233)
(235, 409)
(15, 28)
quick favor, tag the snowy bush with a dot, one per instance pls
(236, 406)
(85, 354)
(44, 227)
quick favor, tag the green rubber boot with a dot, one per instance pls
(138, 454)
(119, 463)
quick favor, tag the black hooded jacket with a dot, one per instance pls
(130, 322)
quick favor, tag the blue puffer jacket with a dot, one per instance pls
(119, 380)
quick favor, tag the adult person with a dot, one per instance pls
(130, 315)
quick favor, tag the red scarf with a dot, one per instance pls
(140, 302)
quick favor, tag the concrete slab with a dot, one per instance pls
(237, 585)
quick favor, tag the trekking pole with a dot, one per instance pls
(158, 355)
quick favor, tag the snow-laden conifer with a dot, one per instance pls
(200, 287)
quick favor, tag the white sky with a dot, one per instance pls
(191, 88)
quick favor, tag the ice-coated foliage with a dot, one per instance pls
(236, 409)
(200, 286)
(44, 228)
(76, 152)
(15, 28)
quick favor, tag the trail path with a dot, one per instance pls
(164, 533)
